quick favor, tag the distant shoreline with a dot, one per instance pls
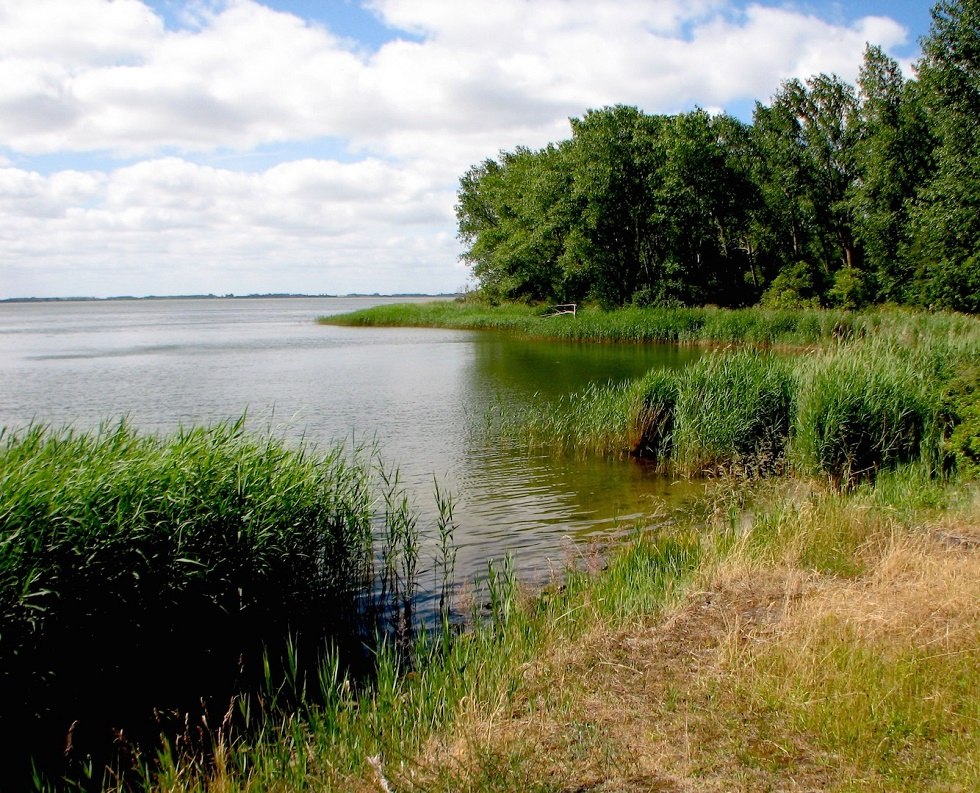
(82, 299)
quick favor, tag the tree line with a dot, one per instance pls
(834, 194)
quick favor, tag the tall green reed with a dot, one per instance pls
(864, 411)
(844, 413)
(654, 422)
(733, 409)
(143, 574)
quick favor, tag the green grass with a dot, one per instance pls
(146, 551)
(875, 667)
(888, 387)
(862, 411)
(139, 572)
(836, 683)
(844, 413)
(757, 325)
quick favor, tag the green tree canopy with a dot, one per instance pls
(835, 194)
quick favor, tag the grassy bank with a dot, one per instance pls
(812, 639)
(675, 325)
(824, 642)
(791, 633)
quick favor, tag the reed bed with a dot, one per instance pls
(147, 580)
(731, 650)
(843, 413)
(732, 410)
(756, 325)
(861, 412)
(142, 551)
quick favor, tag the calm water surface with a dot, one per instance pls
(422, 394)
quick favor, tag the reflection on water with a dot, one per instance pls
(421, 393)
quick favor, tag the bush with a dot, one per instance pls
(849, 289)
(793, 288)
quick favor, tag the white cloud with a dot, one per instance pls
(161, 214)
(471, 78)
(95, 75)
(77, 34)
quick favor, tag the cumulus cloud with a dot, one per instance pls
(460, 81)
(147, 217)
(97, 75)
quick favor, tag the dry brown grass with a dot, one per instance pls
(770, 675)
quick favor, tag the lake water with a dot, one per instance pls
(422, 394)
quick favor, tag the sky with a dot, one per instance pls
(161, 147)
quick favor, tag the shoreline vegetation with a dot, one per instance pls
(812, 624)
(817, 629)
(789, 327)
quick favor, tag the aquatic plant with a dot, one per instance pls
(654, 438)
(843, 413)
(732, 409)
(143, 575)
(861, 412)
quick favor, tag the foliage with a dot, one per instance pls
(719, 638)
(875, 186)
(143, 575)
(792, 288)
(850, 289)
(859, 412)
(733, 409)
(758, 325)
(962, 404)
(946, 216)
(887, 388)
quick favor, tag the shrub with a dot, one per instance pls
(793, 288)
